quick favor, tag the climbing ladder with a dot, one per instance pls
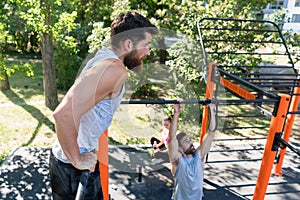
(252, 62)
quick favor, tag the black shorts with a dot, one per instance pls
(65, 179)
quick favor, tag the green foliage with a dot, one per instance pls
(295, 46)
(10, 68)
(99, 37)
(3, 70)
(66, 55)
(81, 27)
(291, 38)
(67, 65)
(19, 26)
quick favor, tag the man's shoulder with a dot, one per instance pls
(111, 65)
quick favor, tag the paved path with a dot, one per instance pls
(230, 173)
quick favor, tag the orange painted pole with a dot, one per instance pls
(102, 155)
(208, 94)
(276, 125)
(287, 130)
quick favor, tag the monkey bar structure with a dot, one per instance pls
(247, 70)
(252, 62)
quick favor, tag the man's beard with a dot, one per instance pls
(132, 62)
(191, 150)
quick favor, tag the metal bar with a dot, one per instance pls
(294, 112)
(241, 41)
(272, 79)
(215, 27)
(264, 74)
(238, 29)
(293, 109)
(245, 127)
(256, 66)
(201, 101)
(236, 89)
(248, 84)
(82, 185)
(261, 76)
(102, 155)
(237, 116)
(290, 146)
(276, 125)
(274, 85)
(264, 111)
(243, 53)
(192, 101)
(280, 83)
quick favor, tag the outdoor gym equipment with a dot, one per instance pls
(200, 101)
(245, 69)
(272, 89)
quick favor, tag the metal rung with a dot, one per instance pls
(245, 127)
(243, 53)
(294, 112)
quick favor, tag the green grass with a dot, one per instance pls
(24, 119)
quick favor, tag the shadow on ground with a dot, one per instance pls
(24, 174)
(134, 174)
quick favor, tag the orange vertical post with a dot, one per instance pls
(102, 155)
(208, 94)
(287, 130)
(268, 158)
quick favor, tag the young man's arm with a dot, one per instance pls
(91, 87)
(208, 138)
(173, 143)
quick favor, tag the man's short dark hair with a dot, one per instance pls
(179, 137)
(130, 25)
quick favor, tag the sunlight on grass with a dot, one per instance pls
(24, 119)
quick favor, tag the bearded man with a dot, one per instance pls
(186, 160)
(87, 109)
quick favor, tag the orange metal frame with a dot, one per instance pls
(276, 125)
(287, 130)
(102, 155)
(208, 94)
(237, 89)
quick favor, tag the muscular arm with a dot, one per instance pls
(173, 143)
(208, 138)
(94, 85)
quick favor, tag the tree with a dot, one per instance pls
(9, 21)
(50, 91)
(27, 18)
(4, 83)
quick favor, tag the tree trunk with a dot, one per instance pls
(4, 84)
(50, 91)
(162, 51)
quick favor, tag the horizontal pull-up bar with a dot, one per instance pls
(192, 101)
(201, 101)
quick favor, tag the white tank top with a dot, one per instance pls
(189, 179)
(98, 119)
